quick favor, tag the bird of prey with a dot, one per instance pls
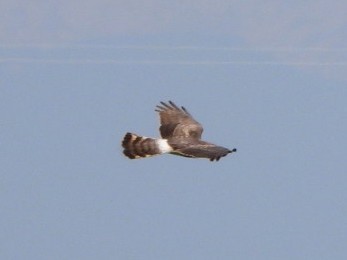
(180, 135)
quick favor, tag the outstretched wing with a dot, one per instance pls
(177, 122)
(203, 150)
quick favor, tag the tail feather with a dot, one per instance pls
(136, 146)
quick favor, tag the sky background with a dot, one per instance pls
(266, 77)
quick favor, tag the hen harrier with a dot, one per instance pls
(181, 135)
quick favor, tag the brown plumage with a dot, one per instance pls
(181, 135)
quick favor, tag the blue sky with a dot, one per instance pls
(267, 78)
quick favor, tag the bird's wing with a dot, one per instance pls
(202, 149)
(177, 122)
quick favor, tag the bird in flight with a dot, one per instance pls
(180, 135)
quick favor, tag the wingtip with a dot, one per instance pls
(173, 105)
(169, 105)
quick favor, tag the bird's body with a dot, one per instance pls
(181, 135)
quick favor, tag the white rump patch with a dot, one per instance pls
(163, 146)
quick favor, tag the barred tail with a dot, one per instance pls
(140, 147)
